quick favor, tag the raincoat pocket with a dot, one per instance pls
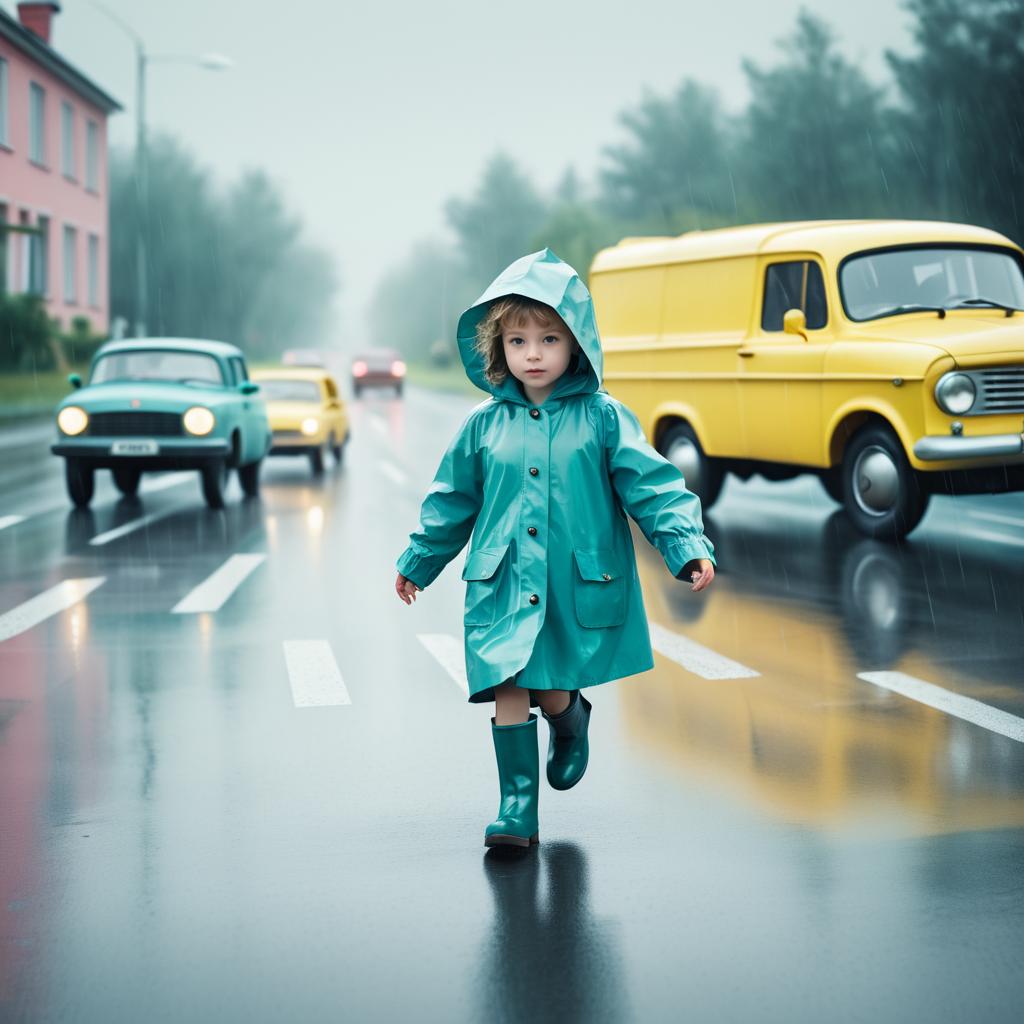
(482, 580)
(600, 589)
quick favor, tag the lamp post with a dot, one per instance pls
(209, 61)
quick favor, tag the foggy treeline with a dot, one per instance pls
(227, 263)
(943, 138)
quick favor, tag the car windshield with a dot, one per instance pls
(290, 390)
(878, 284)
(158, 364)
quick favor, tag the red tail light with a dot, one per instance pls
(398, 368)
(359, 368)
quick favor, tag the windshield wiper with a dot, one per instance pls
(989, 303)
(941, 310)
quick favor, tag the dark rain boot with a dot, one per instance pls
(515, 747)
(569, 748)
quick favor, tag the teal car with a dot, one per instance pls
(155, 404)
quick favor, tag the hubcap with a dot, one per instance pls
(876, 481)
(685, 456)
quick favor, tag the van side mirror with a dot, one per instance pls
(248, 387)
(794, 322)
(74, 380)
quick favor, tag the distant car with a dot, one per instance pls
(304, 357)
(160, 404)
(381, 367)
(307, 414)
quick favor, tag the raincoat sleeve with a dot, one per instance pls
(448, 512)
(653, 491)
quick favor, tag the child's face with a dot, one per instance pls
(538, 353)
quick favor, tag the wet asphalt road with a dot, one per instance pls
(195, 825)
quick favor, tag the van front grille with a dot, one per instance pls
(135, 424)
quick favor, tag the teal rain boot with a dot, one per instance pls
(519, 778)
(569, 748)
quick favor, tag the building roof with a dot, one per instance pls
(46, 56)
(832, 239)
(215, 348)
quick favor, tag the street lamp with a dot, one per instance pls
(208, 61)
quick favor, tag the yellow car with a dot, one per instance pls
(887, 357)
(307, 414)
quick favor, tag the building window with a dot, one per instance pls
(67, 139)
(94, 271)
(36, 123)
(70, 264)
(39, 257)
(3, 103)
(92, 156)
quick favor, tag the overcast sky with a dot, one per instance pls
(370, 115)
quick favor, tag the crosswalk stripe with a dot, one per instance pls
(209, 595)
(131, 526)
(695, 658)
(50, 602)
(448, 652)
(314, 675)
(967, 708)
(6, 521)
(392, 472)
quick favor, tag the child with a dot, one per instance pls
(542, 474)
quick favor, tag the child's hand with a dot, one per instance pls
(701, 571)
(406, 589)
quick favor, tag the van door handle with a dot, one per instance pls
(745, 352)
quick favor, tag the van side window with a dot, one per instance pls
(794, 285)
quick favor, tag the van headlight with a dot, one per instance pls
(199, 420)
(72, 420)
(310, 426)
(955, 393)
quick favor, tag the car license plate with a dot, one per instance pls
(134, 448)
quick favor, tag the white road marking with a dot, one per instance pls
(131, 526)
(996, 538)
(6, 521)
(160, 483)
(219, 585)
(392, 472)
(49, 602)
(695, 658)
(950, 703)
(995, 517)
(449, 653)
(314, 675)
(378, 423)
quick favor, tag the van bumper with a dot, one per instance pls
(947, 448)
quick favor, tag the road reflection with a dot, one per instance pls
(810, 607)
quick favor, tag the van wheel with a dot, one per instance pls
(126, 480)
(80, 480)
(703, 475)
(881, 492)
(214, 476)
(249, 478)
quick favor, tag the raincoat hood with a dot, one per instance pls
(541, 276)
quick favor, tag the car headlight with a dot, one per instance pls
(310, 426)
(72, 420)
(199, 420)
(955, 393)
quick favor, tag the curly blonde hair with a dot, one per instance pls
(510, 311)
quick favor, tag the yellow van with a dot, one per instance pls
(887, 357)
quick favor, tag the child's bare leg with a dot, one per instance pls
(512, 704)
(554, 702)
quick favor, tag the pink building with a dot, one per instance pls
(53, 172)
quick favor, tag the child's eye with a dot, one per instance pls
(552, 337)
(515, 341)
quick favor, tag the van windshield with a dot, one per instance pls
(877, 284)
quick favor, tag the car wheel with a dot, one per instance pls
(881, 492)
(249, 478)
(356, 390)
(398, 390)
(214, 476)
(81, 481)
(316, 461)
(336, 450)
(703, 475)
(126, 480)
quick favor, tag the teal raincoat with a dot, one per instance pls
(552, 592)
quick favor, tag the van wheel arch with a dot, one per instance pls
(704, 476)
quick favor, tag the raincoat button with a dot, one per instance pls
(534, 471)
(534, 599)
(605, 576)
(532, 531)
(535, 413)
